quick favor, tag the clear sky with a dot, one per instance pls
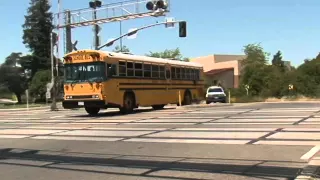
(214, 27)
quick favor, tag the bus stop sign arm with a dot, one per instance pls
(138, 29)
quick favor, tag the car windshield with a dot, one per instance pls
(215, 90)
(85, 72)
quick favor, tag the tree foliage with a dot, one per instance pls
(118, 49)
(12, 77)
(273, 80)
(39, 83)
(36, 35)
(174, 54)
(255, 54)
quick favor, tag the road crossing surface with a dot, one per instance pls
(227, 125)
(273, 135)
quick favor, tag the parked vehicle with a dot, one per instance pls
(215, 94)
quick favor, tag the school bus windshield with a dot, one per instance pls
(85, 72)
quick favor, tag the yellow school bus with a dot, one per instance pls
(98, 80)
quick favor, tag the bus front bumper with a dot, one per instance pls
(72, 104)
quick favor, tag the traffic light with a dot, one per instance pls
(183, 29)
(94, 4)
(155, 5)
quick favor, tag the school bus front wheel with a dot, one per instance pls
(92, 110)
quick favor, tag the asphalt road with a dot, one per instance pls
(254, 141)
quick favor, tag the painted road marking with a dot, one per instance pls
(76, 138)
(104, 133)
(287, 143)
(233, 135)
(13, 136)
(310, 154)
(27, 131)
(202, 141)
(296, 135)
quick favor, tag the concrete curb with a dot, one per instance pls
(30, 109)
(25, 109)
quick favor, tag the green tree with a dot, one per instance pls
(118, 49)
(255, 70)
(277, 60)
(255, 54)
(174, 54)
(36, 34)
(39, 82)
(307, 79)
(12, 77)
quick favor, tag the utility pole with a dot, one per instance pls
(96, 31)
(120, 36)
(96, 28)
(53, 39)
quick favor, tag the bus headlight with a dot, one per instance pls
(95, 96)
(68, 97)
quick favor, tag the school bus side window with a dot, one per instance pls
(155, 71)
(130, 69)
(122, 68)
(147, 70)
(162, 74)
(112, 70)
(138, 69)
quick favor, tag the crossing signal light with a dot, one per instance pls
(183, 29)
(155, 5)
(95, 4)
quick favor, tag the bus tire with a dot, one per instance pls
(92, 111)
(187, 98)
(128, 103)
(158, 107)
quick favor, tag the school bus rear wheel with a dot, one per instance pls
(158, 107)
(187, 100)
(128, 103)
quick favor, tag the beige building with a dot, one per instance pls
(221, 69)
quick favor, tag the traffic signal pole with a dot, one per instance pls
(182, 31)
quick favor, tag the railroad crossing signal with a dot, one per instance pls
(156, 5)
(95, 4)
(290, 87)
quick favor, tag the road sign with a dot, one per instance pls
(48, 95)
(290, 87)
(170, 22)
(49, 86)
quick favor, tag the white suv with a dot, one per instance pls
(215, 94)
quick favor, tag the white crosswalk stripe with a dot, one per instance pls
(167, 126)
